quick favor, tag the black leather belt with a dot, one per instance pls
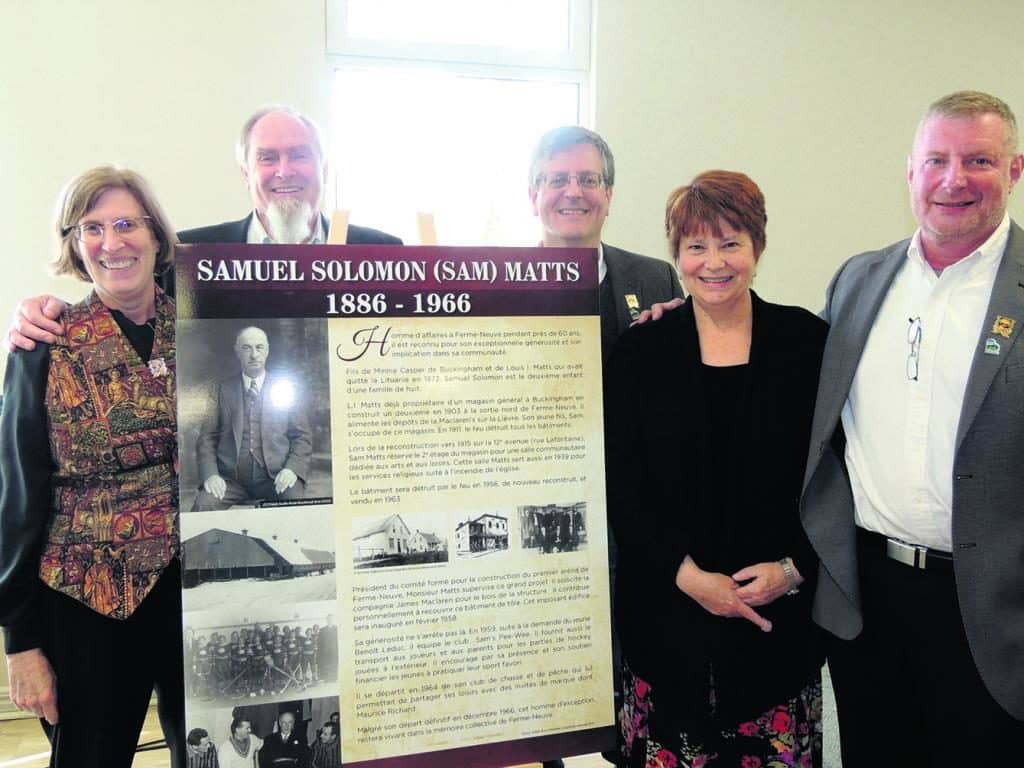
(914, 555)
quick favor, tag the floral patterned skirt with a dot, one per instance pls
(788, 734)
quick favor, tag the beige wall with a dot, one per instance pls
(158, 87)
(815, 100)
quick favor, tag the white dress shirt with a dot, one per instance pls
(247, 382)
(901, 432)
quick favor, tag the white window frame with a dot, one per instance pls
(340, 44)
(572, 67)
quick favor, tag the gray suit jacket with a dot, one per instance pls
(988, 481)
(650, 280)
(287, 439)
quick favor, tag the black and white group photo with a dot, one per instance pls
(262, 654)
(551, 528)
(294, 733)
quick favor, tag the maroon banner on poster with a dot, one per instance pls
(386, 281)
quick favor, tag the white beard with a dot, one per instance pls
(288, 221)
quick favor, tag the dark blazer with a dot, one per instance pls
(650, 280)
(988, 484)
(287, 439)
(278, 753)
(664, 503)
(238, 232)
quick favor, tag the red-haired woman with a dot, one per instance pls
(705, 465)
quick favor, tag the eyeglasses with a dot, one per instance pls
(914, 340)
(92, 231)
(586, 179)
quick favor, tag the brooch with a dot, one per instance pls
(1004, 326)
(158, 367)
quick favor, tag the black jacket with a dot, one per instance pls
(677, 487)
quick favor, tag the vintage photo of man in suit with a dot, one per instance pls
(257, 443)
(257, 394)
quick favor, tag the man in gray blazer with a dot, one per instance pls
(913, 494)
(572, 177)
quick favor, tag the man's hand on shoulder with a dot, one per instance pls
(657, 311)
(35, 319)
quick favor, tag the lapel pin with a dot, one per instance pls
(991, 347)
(633, 303)
(1004, 326)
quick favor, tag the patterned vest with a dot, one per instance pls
(113, 435)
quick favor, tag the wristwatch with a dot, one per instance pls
(787, 568)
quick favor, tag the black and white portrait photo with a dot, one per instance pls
(256, 393)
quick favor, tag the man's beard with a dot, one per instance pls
(288, 221)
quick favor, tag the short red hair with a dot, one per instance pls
(711, 197)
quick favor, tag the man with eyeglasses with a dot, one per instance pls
(913, 493)
(280, 153)
(572, 177)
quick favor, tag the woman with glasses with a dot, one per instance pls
(705, 465)
(89, 571)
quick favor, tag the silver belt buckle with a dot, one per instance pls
(908, 554)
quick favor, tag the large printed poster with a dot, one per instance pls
(394, 534)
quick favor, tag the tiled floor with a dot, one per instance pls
(23, 745)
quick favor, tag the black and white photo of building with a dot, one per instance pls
(481, 535)
(220, 555)
(272, 556)
(391, 541)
